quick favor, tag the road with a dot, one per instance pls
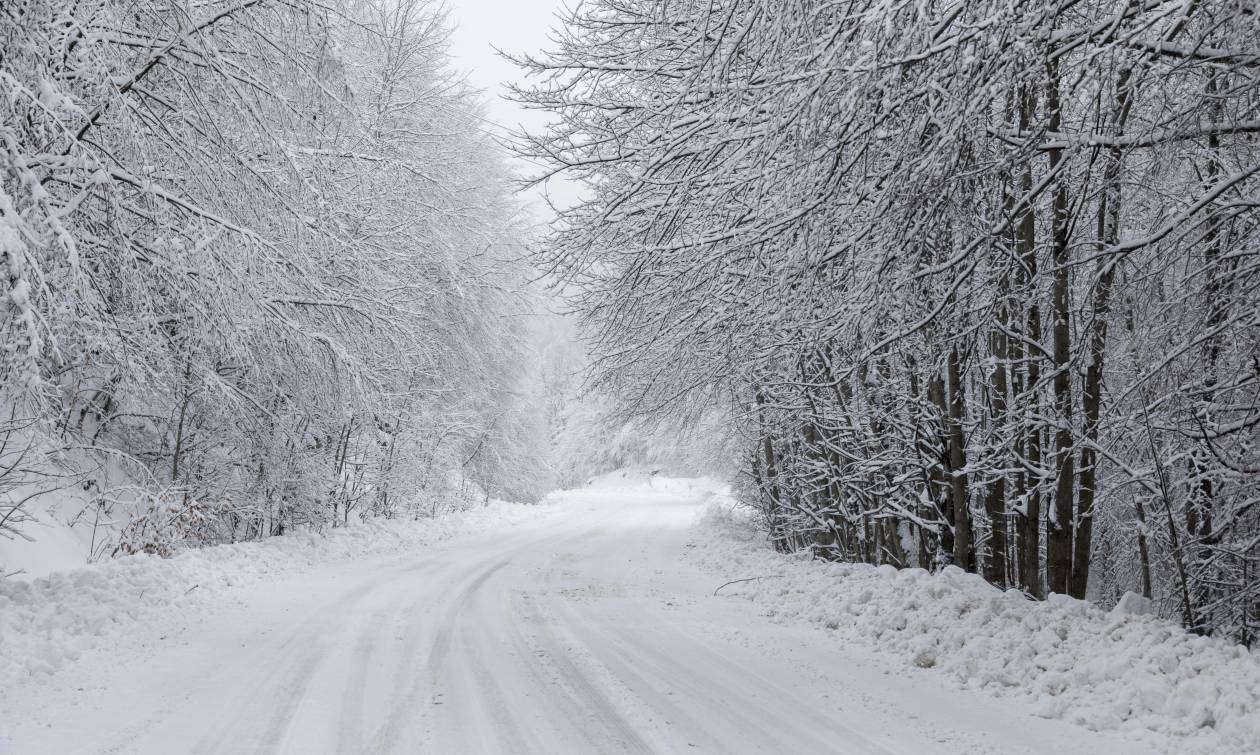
(587, 631)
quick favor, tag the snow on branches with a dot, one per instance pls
(979, 279)
(258, 249)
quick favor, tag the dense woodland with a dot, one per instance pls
(261, 270)
(975, 282)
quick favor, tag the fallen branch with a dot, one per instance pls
(746, 579)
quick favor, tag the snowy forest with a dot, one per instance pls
(262, 269)
(972, 283)
(630, 376)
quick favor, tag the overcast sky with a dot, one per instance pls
(514, 26)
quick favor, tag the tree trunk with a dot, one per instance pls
(1029, 479)
(939, 485)
(958, 463)
(1059, 543)
(1200, 507)
(995, 501)
(771, 482)
(1144, 550)
(1108, 235)
(995, 566)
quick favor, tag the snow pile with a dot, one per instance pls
(1124, 670)
(47, 621)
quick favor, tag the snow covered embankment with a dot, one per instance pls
(45, 622)
(1132, 673)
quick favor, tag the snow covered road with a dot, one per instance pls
(585, 631)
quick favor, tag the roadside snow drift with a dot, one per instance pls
(1120, 670)
(46, 621)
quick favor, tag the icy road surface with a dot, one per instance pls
(586, 631)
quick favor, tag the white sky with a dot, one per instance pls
(514, 26)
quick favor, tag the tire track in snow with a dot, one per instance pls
(408, 707)
(712, 685)
(573, 686)
(286, 669)
(454, 646)
(602, 723)
(353, 697)
(350, 739)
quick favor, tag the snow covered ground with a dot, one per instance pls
(586, 625)
(48, 621)
(1121, 670)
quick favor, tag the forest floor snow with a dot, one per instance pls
(1106, 671)
(588, 624)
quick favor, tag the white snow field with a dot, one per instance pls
(587, 625)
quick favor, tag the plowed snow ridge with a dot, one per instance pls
(1105, 671)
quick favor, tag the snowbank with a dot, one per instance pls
(1122, 670)
(47, 621)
